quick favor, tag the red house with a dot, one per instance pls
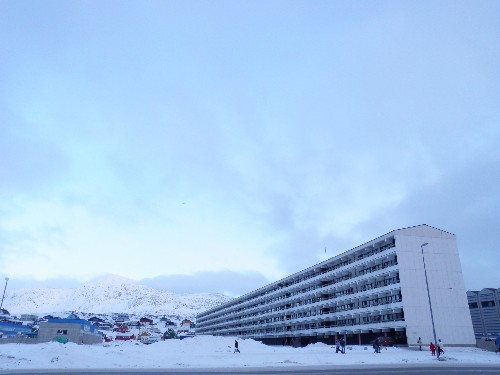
(121, 329)
(125, 337)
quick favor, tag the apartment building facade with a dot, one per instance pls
(376, 289)
(484, 308)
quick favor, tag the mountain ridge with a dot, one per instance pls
(110, 294)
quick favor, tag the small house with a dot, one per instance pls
(96, 319)
(13, 329)
(79, 331)
(4, 314)
(186, 329)
(122, 317)
(146, 321)
(47, 317)
(105, 326)
(148, 338)
(121, 329)
(124, 337)
(28, 317)
(186, 324)
(132, 323)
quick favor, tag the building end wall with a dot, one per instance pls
(452, 320)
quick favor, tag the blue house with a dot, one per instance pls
(8, 329)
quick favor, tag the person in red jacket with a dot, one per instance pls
(432, 347)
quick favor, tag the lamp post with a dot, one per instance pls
(429, 297)
(4, 289)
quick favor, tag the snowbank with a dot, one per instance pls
(215, 352)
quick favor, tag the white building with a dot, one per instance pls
(376, 289)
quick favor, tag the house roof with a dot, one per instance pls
(12, 327)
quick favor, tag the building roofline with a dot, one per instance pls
(479, 291)
(66, 320)
(235, 301)
(426, 225)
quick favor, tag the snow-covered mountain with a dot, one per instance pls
(110, 294)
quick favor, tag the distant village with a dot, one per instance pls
(87, 328)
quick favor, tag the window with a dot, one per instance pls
(62, 331)
(488, 304)
(473, 305)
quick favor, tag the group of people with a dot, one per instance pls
(376, 345)
(340, 346)
(433, 347)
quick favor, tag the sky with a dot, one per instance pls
(216, 352)
(222, 145)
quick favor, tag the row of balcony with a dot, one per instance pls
(304, 330)
(374, 312)
(298, 281)
(321, 305)
(318, 297)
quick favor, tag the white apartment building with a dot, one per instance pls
(376, 289)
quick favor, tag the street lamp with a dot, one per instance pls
(429, 297)
(4, 289)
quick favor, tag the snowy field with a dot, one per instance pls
(216, 352)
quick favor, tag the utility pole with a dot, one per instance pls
(429, 297)
(4, 289)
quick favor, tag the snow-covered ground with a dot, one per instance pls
(216, 352)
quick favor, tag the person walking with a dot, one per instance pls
(337, 346)
(440, 347)
(236, 350)
(497, 343)
(432, 347)
(376, 345)
(419, 342)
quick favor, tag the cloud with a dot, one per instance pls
(232, 283)
(250, 150)
(32, 283)
(465, 202)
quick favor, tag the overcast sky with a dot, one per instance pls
(222, 145)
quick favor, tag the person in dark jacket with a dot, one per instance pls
(236, 350)
(497, 343)
(342, 345)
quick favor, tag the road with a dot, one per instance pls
(312, 370)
